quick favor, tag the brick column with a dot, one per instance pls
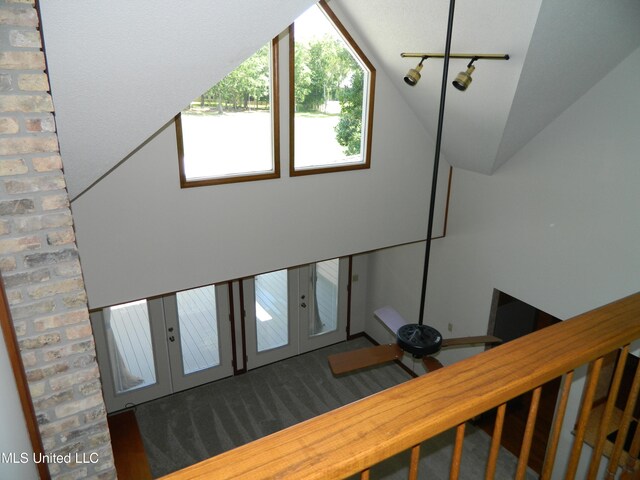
(39, 259)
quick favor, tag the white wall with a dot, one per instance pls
(140, 235)
(558, 226)
(14, 438)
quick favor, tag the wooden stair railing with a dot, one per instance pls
(353, 438)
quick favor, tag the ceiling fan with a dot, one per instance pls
(421, 341)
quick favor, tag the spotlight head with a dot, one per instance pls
(413, 76)
(463, 80)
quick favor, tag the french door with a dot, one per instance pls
(155, 347)
(294, 311)
(269, 311)
(151, 348)
(199, 335)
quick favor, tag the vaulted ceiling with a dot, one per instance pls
(119, 72)
(559, 49)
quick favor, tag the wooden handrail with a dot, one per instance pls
(352, 438)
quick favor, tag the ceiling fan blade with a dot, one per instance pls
(431, 363)
(346, 362)
(452, 342)
(390, 317)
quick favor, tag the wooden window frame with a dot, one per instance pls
(367, 131)
(274, 100)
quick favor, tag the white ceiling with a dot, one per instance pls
(559, 49)
(120, 70)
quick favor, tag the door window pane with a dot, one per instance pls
(324, 280)
(129, 346)
(272, 324)
(198, 329)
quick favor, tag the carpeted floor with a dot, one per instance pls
(190, 426)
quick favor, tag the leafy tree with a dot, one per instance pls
(326, 70)
(349, 127)
(302, 74)
(249, 81)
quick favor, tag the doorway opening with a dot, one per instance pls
(510, 319)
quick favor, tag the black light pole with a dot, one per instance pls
(436, 161)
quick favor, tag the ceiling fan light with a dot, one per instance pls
(463, 80)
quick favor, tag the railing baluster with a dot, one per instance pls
(552, 446)
(614, 460)
(457, 453)
(585, 411)
(606, 415)
(633, 465)
(413, 466)
(495, 443)
(528, 434)
(364, 475)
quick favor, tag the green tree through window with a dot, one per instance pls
(332, 88)
(349, 128)
(228, 133)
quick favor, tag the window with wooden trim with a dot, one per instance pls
(331, 95)
(230, 133)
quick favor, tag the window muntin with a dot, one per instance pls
(331, 96)
(231, 132)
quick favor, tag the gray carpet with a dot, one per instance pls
(190, 426)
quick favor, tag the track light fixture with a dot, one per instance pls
(413, 75)
(463, 80)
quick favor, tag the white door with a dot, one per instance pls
(323, 303)
(151, 348)
(132, 353)
(198, 326)
(294, 311)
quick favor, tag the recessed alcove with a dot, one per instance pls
(512, 318)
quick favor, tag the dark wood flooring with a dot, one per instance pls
(128, 451)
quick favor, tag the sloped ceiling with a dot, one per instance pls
(559, 49)
(120, 70)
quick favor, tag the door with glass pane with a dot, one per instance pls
(322, 306)
(294, 311)
(271, 325)
(151, 348)
(132, 353)
(199, 335)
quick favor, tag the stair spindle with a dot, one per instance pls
(495, 443)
